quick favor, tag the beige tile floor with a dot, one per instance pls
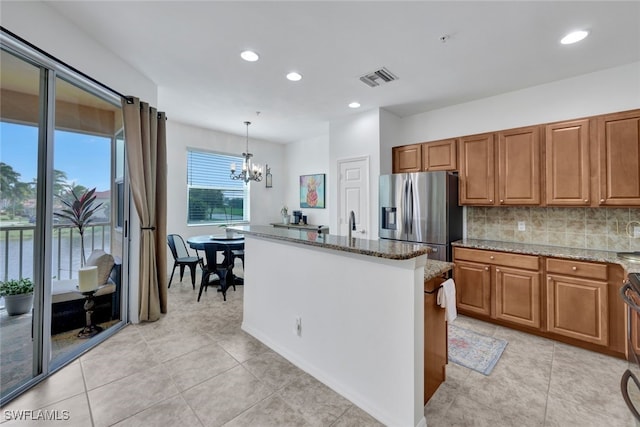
(196, 367)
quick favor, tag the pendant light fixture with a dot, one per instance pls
(250, 171)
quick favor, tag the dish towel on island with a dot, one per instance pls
(446, 299)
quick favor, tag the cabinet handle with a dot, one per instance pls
(574, 268)
(586, 200)
(601, 200)
(501, 201)
(497, 270)
(490, 200)
(548, 277)
(486, 269)
(491, 257)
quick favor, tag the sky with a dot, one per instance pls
(85, 158)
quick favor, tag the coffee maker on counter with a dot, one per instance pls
(297, 217)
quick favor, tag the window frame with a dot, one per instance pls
(246, 189)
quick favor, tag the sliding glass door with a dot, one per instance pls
(19, 131)
(60, 138)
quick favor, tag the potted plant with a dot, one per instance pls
(79, 211)
(285, 214)
(18, 295)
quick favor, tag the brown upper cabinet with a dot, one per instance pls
(618, 151)
(506, 163)
(519, 166)
(439, 155)
(429, 156)
(407, 158)
(567, 164)
(477, 170)
(593, 161)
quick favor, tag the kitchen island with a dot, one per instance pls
(350, 313)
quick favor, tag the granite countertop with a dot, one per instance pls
(435, 268)
(293, 225)
(552, 251)
(388, 249)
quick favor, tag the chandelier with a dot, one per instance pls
(250, 171)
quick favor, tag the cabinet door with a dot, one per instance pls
(476, 170)
(578, 308)
(435, 340)
(519, 166)
(439, 155)
(407, 158)
(473, 287)
(517, 294)
(619, 159)
(567, 169)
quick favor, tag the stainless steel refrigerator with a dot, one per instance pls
(421, 207)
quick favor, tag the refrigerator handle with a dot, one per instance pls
(403, 206)
(410, 210)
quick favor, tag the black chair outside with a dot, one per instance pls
(223, 269)
(182, 258)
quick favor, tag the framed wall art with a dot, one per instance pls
(312, 191)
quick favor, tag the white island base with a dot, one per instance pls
(361, 321)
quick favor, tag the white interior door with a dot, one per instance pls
(354, 195)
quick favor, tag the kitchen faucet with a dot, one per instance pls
(352, 223)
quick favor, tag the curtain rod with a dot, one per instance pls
(75, 70)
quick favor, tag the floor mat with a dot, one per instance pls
(473, 350)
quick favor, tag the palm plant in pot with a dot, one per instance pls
(18, 295)
(79, 212)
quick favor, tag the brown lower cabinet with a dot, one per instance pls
(579, 305)
(435, 340)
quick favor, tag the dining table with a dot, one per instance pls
(230, 241)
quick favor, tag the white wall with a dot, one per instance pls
(265, 203)
(355, 136)
(306, 157)
(611, 90)
(390, 136)
(44, 27)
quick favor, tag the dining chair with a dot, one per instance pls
(182, 258)
(223, 270)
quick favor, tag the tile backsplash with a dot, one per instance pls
(589, 228)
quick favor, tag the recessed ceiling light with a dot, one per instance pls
(354, 105)
(574, 37)
(294, 77)
(249, 55)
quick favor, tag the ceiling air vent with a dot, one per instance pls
(372, 79)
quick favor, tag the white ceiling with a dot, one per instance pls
(191, 51)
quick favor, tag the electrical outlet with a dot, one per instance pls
(521, 226)
(636, 232)
(299, 326)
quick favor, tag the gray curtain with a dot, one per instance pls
(145, 136)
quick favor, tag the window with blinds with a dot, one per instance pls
(214, 198)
